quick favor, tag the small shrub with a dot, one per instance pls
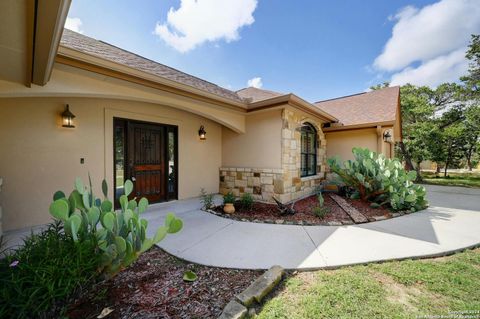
(38, 278)
(121, 235)
(320, 212)
(321, 201)
(246, 201)
(229, 198)
(206, 199)
(378, 179)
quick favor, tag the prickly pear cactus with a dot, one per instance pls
(380, 180)
(121, 235)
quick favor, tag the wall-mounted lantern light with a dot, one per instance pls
(202, 133)
(387, 136)
(67, 118)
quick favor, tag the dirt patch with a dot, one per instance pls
(398, 293)
(154, 288)
(304, 208)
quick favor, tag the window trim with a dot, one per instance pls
(307, 154)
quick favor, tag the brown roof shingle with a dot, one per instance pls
(253, 95)
(82, 43)
(364, 108)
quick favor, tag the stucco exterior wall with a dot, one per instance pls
(259, 146)
(38, 156)
(341, 143)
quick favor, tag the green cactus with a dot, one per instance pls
(120, 235)
(380, 180)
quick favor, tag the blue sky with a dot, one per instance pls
(315, 49)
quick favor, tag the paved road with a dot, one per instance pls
(451, 223)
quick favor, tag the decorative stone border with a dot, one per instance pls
(243, 303)
(281, 221)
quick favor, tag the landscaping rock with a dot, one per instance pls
(357, 217)
(279, 221)
(333, 223)
(347, 222)
(261, 286)
(395, 214)
(378, 218)
(234, 310)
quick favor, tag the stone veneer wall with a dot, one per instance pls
(284, 183)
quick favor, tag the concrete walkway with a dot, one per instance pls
(451, 223)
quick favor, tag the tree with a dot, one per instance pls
(471, 135)
(471, 81)
(471, 95)
(417, 114)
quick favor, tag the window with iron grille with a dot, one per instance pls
(308, 165)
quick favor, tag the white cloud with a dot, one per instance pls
(423, 34)
(445, 68)
(255, 82)
(199, 21)
(74, 24)
(434, 38)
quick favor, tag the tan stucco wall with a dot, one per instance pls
(38, 156)
(259, 146)
(341, 143)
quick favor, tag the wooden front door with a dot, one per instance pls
(147, 160)
(145, 153)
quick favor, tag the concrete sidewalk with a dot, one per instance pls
(451, 223)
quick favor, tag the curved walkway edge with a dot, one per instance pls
(215, 241)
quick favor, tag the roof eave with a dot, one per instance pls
(293, 100)
(358, 126)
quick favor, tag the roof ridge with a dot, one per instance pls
(340, 97)
(264, 90)
(356, 94)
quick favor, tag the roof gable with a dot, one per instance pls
(252, 94)
(365, 108)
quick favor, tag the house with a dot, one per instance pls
(169, 132)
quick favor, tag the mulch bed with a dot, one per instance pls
(368, 211)
(153, 287)
(268, 213)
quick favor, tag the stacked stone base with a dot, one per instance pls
(264, 184)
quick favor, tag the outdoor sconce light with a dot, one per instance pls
(67, 118)
(202, 133)
(387, 137)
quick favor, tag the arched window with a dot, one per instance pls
(308, 150)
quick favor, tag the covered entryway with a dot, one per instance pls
(146, 153)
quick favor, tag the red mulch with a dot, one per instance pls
(153, 287)
(304, 211)
(368, 211)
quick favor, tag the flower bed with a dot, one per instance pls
(153, 287)
(268, 213)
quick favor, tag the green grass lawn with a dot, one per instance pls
(455, 179)
(404, 289)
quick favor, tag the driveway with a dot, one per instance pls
(451, 223)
